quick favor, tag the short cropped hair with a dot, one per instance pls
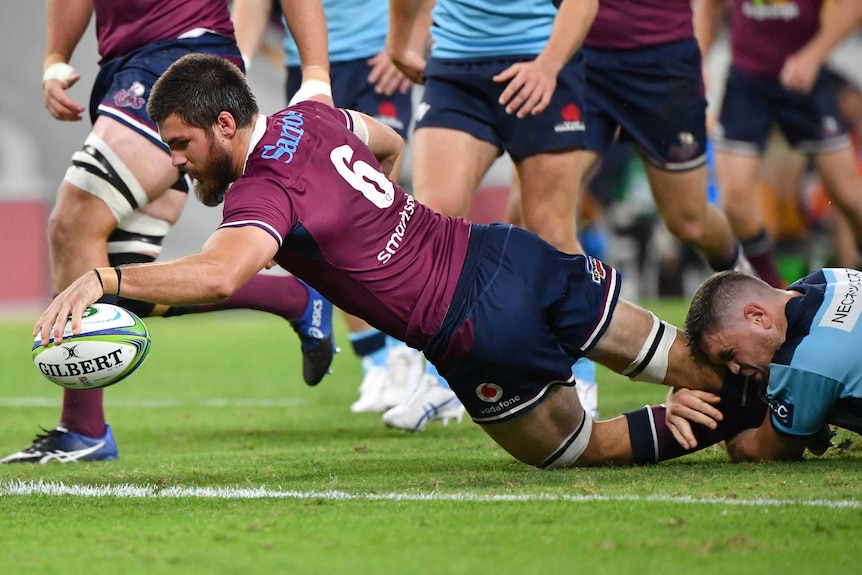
(197, 88)
(713, 304)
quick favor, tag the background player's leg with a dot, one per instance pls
(843, 184)
(737, 177)
(682, 202)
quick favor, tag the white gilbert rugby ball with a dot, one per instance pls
(112, 344)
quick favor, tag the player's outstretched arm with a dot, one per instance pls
(228, 260)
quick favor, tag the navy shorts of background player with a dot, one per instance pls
(654, 98)
(810, 122)
(352, 90)
(521, 314)
(461, 94)
(123, 84)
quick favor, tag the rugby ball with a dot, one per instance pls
(112, 344)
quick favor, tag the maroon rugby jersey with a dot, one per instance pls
(629, 24)
(343, 227)
(764, 34)
(124, 25)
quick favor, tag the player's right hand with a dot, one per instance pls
(685, 406)
(529, 88)
(71, 302)
(58, 102)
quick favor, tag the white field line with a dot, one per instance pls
(17, 487)
(157, 403)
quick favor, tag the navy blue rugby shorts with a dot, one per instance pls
(522, 313)
(652, 97)
(462, 95)
(124, 83)
(810, 122)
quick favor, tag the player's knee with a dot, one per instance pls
(136, 240)
(687, 228)
(65, 231)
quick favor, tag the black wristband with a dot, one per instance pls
(119, 278)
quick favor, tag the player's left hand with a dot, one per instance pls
(409, 62)
(800, 71)
(530, 88)
(385, 77)
(73, 301)
(685, 406)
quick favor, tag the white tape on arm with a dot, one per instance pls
(359, 127)
(651, 363)
(59, 71)
(310, 88)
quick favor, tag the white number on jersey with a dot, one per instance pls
(364, 178)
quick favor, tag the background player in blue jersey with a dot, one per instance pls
(501, 78)
(499, 311)
(121, 194)
(363, 79)
(802, 343)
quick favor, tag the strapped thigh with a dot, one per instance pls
(650, 365)
(572, 447)
(98, 170)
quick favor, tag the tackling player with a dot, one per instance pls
(500, 312)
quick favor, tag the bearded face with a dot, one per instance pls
(214, 178)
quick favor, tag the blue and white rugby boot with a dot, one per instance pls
(63, 446)
(315, 332)
(430, 401)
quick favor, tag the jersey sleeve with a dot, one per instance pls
(800, 401)
(259, 203)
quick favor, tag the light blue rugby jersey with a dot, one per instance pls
(488, 28)
(355, 28)
(816, 376)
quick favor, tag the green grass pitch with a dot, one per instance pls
(230, 464)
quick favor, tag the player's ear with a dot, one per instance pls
(757, 314)
(226, 124)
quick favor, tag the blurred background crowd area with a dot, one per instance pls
(618, 219)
